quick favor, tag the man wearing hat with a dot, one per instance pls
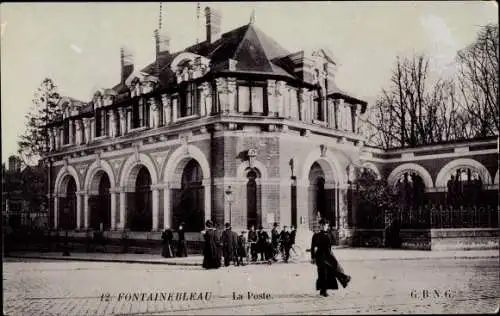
(229, 245)
(181, 242)
(211, 251)
(329, 270)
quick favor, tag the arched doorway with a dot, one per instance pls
(100, 205)
(253, 199)
(141, 215)
(67, 210)
(189, 202)
(321, 199)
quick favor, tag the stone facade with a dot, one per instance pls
(227, 139)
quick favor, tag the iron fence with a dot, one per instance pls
(430, 217)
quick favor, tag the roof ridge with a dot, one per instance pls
(240, 44)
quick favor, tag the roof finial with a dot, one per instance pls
(252, 17)
(160, 17)
(197, 21)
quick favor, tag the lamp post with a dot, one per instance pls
(229, 198)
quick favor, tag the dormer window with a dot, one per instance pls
(251, 98)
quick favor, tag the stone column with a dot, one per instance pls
(231, 95)
(357, 118)
(167, 109)
(345, 233)
(285, 199)
(86, 213)
(280, 98)
(129, 120)
(86, 127)
(156, 212)
(304, 234)
(221, 86)
(56, 211)
(113, 208)
(167, 211)
(155, 113)
(71, 136)
(113, 132)
(175, 103)
(123, 121)
(123, 207)
(92, 129)
(207, 98)
(79, 196)
(52, 142)
(271, 97)
(208, 198)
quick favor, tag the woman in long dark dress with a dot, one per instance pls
(211, 251)
(181, 243)
(168, 238)
(329, 270)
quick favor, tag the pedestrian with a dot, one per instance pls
(329, 270)
(285, 243)
(125, 241)
(234, 237)
(229, 245)
(253, 239)
(275, 237)
(211, 247)
(181, 243)
(168, 237)
(242, 252)
(293, 234)
(262, 243)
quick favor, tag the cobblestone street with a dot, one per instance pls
(43, 287)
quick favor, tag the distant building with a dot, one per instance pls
(17, 209)
(233, 129)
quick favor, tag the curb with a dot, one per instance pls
(199, 264)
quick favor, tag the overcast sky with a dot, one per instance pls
(78, 44)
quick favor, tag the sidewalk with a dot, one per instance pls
(342, 254)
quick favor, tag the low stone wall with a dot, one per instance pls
(465, 238)
(433, 239)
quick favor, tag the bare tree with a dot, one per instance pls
(477, 81)
(411, 112)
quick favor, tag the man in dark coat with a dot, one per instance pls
(211, 247)
(263, 244)
(229, 245)
(329, 270)
(253, 239)
(181, 243)
(275, 240)
(168, 237)
(285, 243)
(242, 252)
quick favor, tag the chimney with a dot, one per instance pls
(127, 63)
(14, 164)
(213, 20)
(162, 42)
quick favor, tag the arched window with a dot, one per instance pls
(464, 187)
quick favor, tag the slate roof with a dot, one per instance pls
(254, 51)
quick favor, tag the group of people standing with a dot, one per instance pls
(168, 243)
(241, 249)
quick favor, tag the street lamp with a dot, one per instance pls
(229, 198)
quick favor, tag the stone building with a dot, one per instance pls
(233, 129)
